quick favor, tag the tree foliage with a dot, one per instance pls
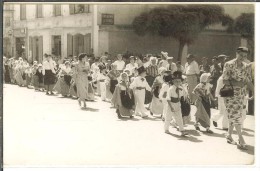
(182, 22)
(244, 25)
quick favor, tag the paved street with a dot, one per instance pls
(41, 130)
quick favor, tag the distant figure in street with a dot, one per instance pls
(192, 72)
(171, 65)
(49, 74)
(204, 68)
(216, 72)
(82, 69)
(120, 64)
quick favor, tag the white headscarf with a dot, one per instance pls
(204, 77)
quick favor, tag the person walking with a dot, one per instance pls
(238, 74)
(191, 70)
(82, 69)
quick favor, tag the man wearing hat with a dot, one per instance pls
(191, 70)
(221, 60)
(171, 65)
(139, 85)
(216, 72)
(152, 71)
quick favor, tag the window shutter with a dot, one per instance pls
(72, 9)
(69, 44)
(40, 44)
(86, 9)
(30, 49)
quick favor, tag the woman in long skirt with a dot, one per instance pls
(82, 69)
(113, 75)
(73, 87)
(204, 98)
(185, 102)
(63, 84)
(156, 106)
(49, 74)
(123, 97)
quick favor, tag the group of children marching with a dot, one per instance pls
(128, 90)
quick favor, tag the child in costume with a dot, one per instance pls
(139, 86)
(123, 97)
(101, 77)
(174, 94)
(167, 78)
(156, 106)
(203, 102)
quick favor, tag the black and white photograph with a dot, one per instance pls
(128, 84)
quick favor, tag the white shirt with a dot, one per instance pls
(172, 93)
(192, 68)
(164, 63)
(173, 67)
(139, 83)
(48, 65)
(163, 91)
(120, 65)
(131, 67)
(146, 64)
(101, 76)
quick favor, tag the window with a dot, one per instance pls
(7, 21)
(57, 10)
(79, 8)
(107, 19)
(22, 12)
(39, 11)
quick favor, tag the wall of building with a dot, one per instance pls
(208, 44)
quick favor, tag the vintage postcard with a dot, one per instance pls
(128, 84)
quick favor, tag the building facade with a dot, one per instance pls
(69, 29)
(8, 16)
(61, 30)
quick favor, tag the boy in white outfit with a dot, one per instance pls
(163, 92)
(174, 95)
(101, 77)
(139, 85)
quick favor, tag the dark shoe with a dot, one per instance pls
(215, 124)
(230, 140)
(151, 113)
(47, 93)
(131, 116)
(209, 131)
(52, 93)
(197, 128)
(225, 129)
(241, 146)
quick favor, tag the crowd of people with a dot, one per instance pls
(137, 85)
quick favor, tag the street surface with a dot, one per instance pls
(41, 130)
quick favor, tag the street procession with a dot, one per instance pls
(109, 86)
(156, 84)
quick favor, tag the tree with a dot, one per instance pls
(244, 25)
(182, 22)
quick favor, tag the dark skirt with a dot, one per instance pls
(206, 105)
(113, 84)
(67, 79)
(49, 77)
(127, 101)
(148, 97)
(185, 107)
